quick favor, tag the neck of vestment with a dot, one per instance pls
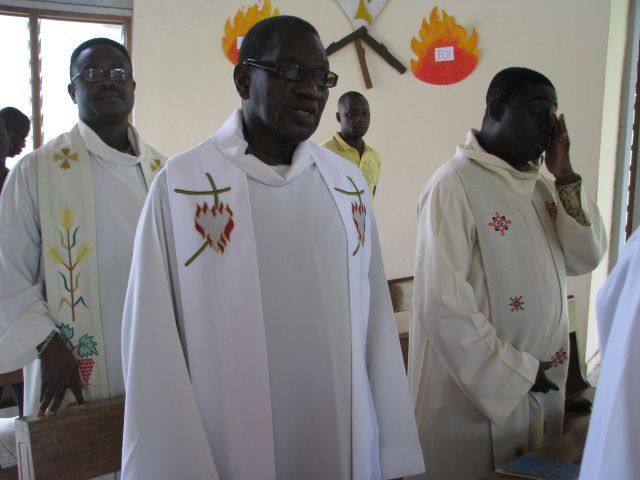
(68, 226)
(513, 210)
(224, 332)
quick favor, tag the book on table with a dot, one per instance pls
(540, 469)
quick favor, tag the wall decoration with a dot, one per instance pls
(362, 12)
(357, 38)
(245, 18)
(446, 53)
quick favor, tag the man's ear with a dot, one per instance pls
(242, 79)
(338, 116)
(496, 109)
(72, 92)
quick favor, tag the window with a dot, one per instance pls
(37, 48)
(633, 195)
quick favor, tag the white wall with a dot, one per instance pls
(185, 87)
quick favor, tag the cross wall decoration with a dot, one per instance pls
(357, 38)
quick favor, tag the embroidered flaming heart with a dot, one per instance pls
(85, 365)
(215, 225)
(359, 212)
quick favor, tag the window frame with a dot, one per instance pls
(34, 16)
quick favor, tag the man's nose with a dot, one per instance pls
(308, 87)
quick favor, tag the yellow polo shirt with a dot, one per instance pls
(369, 164)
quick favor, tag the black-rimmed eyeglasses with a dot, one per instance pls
(95, 74)
(294, 71)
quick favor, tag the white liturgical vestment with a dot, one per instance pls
(259, 339)
(116, 187)
(612, 444)
(494, 246)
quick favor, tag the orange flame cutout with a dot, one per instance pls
(446, 54)
(245, 19)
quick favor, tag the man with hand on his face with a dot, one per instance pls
(489, 334)
(259, 339)
(353, 115)
(73, 207)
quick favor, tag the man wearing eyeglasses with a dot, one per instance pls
(72, 207)
(257, 290)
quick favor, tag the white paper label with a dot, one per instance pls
(444, 54)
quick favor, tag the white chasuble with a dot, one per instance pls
(68, 225)
(217, 260)
(517, 297)
(493, 250)
(252, 314)
(611, 449)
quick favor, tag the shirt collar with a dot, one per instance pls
(98, 148)
(522, 181)
(232, 144)
(342, 145)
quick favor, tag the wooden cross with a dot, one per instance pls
(362, 35)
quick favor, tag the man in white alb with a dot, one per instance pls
(73, 207)
(611, 450)
(489, 334)
(259, 339)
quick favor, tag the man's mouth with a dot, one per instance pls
(305, 113)
(108, 95)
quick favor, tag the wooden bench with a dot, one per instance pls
(77, 443)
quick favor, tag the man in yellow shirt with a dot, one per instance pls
(353, 115)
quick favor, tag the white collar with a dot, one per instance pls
(522, 182)
(101, 150)
(232, 144)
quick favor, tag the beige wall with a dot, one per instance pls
(185, 87)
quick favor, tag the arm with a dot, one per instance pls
(24, 319)
(578, 223)
(163, 432)
(400, 453)
(447, 309)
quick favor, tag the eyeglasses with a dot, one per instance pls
(294, 71)
(95, 74)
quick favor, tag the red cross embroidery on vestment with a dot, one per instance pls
(559, 357)
(551, 208)
(500, 223)
(517, 303)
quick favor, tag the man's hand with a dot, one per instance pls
(59, 371)
(543, 384)
(556, 156)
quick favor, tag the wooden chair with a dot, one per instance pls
(401, 291)
(78, 443)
